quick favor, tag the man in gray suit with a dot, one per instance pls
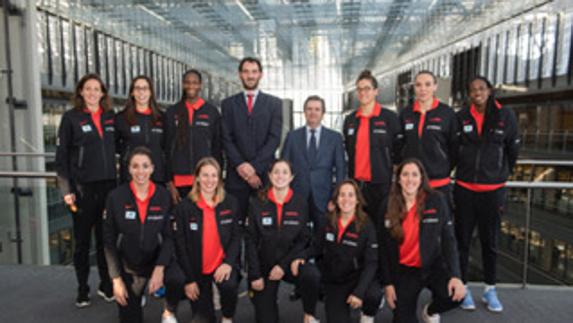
(316, 154)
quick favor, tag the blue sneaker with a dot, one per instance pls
(160, 292)
(491, 300)
(468, 302)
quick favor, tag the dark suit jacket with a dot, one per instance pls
(250, 138)
(315, 176)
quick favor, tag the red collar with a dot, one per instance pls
(343, 227)
(195, 105)
(98, 112)
(202, 204)
(150, 191)
(272, 198)
(417, 108)
(375, 112)
(145, 112)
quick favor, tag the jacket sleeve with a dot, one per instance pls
(339, 159)
(234, 249)
(251, 243)
(512, 141)
(217, 148)
(397, 138)
(63, 157)
(180, 244)
(453, 140)
(110, 239)
(300, 242)
(273, 139)
(232, 153)
(370, 262)
(169, 130)
(167, 247)
(449, 245)
(385, 242)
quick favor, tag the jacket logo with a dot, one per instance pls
(158, 130)
(155, 217)
(225, 212)
(349, 243)
(501, 124)
(408, 126)
(430, 211)
(352, 235)
(382, 131)
(193, 226)
(86, 128)
(155, 208)
(379, 123)
(135, 129)
(226, 221)
(130, 215)
(436, 119)
(291, 222)
(111, 129)
(434, 127)
(108, 121)
(466, 122)
(265, 213)
(267, 220)
(430, 220)
(350, 131)
(468, 128)
(291, 213)
(202, 123)
(499, 132)
(128, 206)
(329, 236)
(203, 116)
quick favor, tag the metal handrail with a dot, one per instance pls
(26, 154)
(11, 174)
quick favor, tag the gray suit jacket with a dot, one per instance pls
(321, 175)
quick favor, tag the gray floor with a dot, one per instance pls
(46, 294)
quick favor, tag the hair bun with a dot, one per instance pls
(365, 73)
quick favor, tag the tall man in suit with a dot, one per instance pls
(252, 123)
(317, 157)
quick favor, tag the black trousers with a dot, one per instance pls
(203, 308)
(307, 284)
(484, 210)
(315, 215)
(135, 285)
(408, 287)
(91, 203)
(335, 296)
(243, 196)
(374, 194)
(446, 191)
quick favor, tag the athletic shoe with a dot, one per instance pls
(160, 293)
(83, 300)
(490, 299)
(427, 318)
(106, 295)
(468, 302)
(168, 319)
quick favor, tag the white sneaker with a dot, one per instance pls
(366, 319)
(429, 318)
(168, 319)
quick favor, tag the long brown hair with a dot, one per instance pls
(182, 113)
(195, 193)
(360, 216)
(397, 208)
(263, 193)
(130, 105)
(78, 100)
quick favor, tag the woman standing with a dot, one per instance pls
(430, 132)
(489, 145)
(141, 124)
(418, 248)
(85, 164)
(137, 235)
(277, 236)
(208, 242)
(192, 132)
(348, 258)
(372, 138)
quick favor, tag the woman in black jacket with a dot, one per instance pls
(85, 164)
(207, 244)
(489, 145)
(418, 248)
(277, 235)
(141, 124)
(192, 132)
(347, 254)
(137, 235)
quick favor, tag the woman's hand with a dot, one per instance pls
(222, 273)
(354, 301)
(258, 285)
(390, 294)
(276, 273)
(294, 266)
(456, 289)
(156, 281)
(192, 291)
(119, 291)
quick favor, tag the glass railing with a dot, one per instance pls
(535, 243)
(555, 141)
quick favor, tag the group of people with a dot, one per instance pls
(349, 219)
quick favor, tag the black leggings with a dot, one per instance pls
(335, 296)
(409, 286)
(203, 308)
(135, 285)
(307, 284)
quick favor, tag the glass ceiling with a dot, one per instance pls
(290, 36)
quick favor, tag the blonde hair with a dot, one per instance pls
(195, 193)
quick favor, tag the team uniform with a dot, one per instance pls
(427, 257)
(205, 237)
(85, 164)
(137, 237)
(277, 234)
(372, 145)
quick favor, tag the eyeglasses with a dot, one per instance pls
(364, 89)
(141, 88)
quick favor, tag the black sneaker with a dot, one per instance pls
(105, 291)
(83, 300)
